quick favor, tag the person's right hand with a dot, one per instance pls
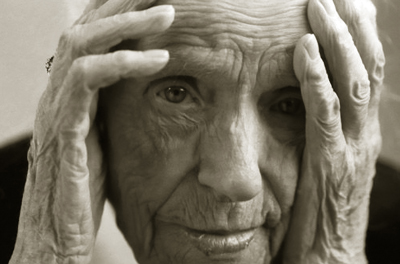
(64, 193)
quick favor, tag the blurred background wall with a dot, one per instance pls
(29, 33)
(389, 25)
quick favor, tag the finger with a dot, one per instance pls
(99, 36)
(360, 17)
(90, 73)
(97, 10)
(350, 78)
(323, 123)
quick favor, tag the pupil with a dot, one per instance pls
(290, 106)
(175, 94)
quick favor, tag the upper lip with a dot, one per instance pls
(215, 228)
(220, 232)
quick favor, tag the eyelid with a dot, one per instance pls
(173, 80)
(286, 93)
(288, 90)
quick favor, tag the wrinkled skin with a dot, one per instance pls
(221, 160)
(231, 154)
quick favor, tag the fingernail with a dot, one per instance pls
(329, 7)
(161, 55)
(311, 46)
(160, 9)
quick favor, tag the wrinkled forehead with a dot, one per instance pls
(246, 25)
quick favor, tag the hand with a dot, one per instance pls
(343, 139)
(64, 193)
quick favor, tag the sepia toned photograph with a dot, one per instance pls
(200, 132)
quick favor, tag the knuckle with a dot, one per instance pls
(317, 76)
(378, 71)
(122, 57)
(80, 67)
(355, 16)
(340, 37)
(327, 109)
(329, 132)
(72, 38)
(361, 94)
(339, 29)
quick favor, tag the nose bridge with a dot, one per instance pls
(229, 158)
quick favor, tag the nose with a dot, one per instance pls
(229, 157)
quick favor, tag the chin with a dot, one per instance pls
(195, 226)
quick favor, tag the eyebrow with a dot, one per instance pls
(193, 62)
(196, 63)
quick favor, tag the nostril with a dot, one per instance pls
(237, 186)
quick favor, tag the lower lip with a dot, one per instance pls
(215, 244)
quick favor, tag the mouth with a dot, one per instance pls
(213, 243)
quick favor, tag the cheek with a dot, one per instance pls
(146, 157)
(279, 164)
(145, 162)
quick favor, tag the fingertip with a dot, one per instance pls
(157, 54)
(146, 63)
(306, 51)
(167, 9)
(311, 46)
(169, 16)
(166, 15)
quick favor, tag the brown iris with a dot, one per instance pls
(175, 94)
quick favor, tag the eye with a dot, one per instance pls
(289, 106)
(175, 94)
(178, 90)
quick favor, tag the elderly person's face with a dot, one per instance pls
(204, 156)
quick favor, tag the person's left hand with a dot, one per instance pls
(330, 213)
